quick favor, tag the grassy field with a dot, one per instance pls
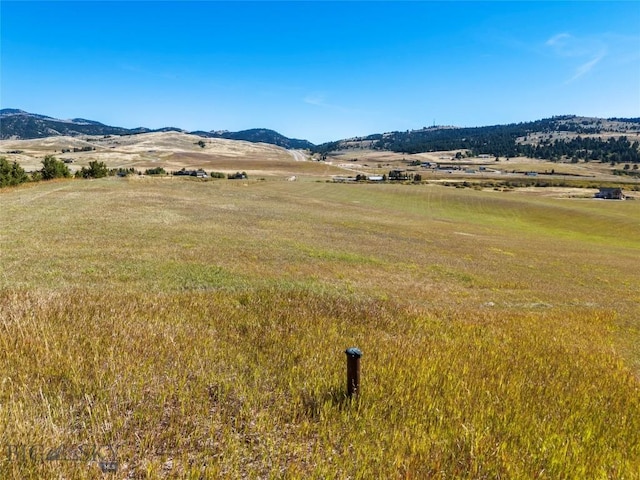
(186, 329)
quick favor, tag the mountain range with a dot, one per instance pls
(20, 125)
(565, 136)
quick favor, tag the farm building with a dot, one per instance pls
(610, 194)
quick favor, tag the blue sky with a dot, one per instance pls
(319, 70)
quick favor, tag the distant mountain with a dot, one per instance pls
(18, 124)
(260, 135)
(566, 136)
(21, 125)
(10, 111)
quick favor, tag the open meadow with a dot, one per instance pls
(177, 328)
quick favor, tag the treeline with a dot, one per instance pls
(78, 149)
(11, 173)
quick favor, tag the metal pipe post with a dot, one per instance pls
(353, 370)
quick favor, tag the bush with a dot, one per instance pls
(11, 174)
(54, 168)
(155, 171)
(122, 172)
(217, 175)
(237, 176)
(96, 170)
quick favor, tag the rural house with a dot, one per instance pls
(610, 194)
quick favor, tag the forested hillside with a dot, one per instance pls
(565, 137)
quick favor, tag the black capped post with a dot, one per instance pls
(353, 370)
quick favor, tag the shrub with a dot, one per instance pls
(155, 171)
(11, 174)
(96, 170)
(237, 176)
(122, 172)
(54, 168)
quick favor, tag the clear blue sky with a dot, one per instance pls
(320, 70)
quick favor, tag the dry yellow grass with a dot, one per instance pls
(196, 330)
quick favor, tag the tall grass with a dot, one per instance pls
(252, 383)
(198, 331)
